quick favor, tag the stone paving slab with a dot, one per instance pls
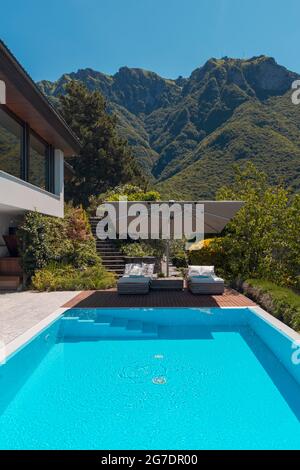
(20, 311)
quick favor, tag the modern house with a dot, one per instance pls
(34, 139)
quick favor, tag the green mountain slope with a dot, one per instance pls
(187, 133)
(255, 132)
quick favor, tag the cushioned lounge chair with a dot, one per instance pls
(136, 279)
(203, 280)
(134, 285)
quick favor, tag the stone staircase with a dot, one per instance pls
(10, 274)
(104, 326)
(112, 259)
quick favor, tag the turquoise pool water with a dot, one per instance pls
(95, 381)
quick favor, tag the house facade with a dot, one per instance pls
(33, 142)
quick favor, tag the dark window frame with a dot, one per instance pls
(22, 143)
(50, 174)
(25, 153)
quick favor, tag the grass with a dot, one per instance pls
(282, 302)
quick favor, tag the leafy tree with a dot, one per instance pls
(105, 159)
(132, 192)
(262, 241)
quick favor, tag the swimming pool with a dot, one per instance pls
(153, 379)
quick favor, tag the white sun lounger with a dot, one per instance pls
(136, 280)
(203, 280)
(134, 285)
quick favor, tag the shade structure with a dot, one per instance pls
(216, 214)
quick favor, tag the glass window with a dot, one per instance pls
(37, 166)
(10, 144)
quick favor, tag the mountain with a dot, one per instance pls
(187, 133)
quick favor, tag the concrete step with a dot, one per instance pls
(134, 325)
(104, 319)
(105, 255)
(114, 268)
(108, 248)
(116, 264)
(10, 282)
(106, 326)
(112, 262)
(119, 322)
(150, 329)
(99, 243)
(106, 244)
(109, 252)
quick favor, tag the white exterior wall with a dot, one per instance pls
(21, 196)
(18, 196)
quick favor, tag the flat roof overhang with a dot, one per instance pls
(24, 98)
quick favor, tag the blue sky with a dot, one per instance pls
(170, 37)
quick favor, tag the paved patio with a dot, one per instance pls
(20, 311)
(110, 298)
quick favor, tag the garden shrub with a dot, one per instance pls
(35, 242)
(45, 239)
(137, 249)
(58, 276)
(178, 254)
(143, 248)
(210, 253)
(179, 260)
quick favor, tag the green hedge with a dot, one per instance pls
(60, 254)
(45, 239)
(282, 302)
(211, 254)
(66, 277)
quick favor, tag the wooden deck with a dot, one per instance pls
(110, 298)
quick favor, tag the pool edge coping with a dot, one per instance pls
(277, 324)
(7, 350)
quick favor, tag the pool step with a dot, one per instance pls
(105, 326)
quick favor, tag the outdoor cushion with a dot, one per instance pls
(133, 269)
(134, 280)
(200, 276)
(201, 271)
(202, 279)
(148, 269)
